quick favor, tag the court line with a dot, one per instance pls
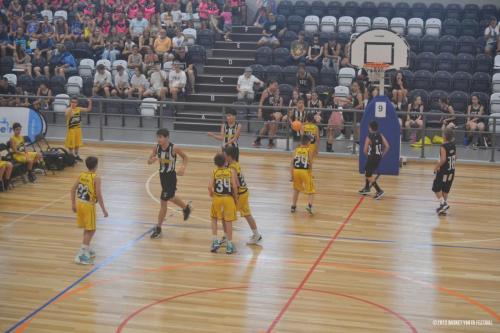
(215, 290)
(104, 263)
(313, 267)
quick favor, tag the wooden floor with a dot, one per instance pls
(358, 265)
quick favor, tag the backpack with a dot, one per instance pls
(58, 158)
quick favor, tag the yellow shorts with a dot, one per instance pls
(303, 181)
(3, 164)
(73, 138)
(243, 205)
(223, 208)
(25, 157)
(314, 147)
(85, 216)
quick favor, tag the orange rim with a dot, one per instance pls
(376, 65)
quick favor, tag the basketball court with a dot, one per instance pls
(357, 265)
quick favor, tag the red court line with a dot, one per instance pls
(131, 316)
(313, 267)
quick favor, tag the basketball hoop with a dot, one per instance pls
(376, 73)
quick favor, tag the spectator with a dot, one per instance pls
(135, 59)
(154, 26)
(475, 125)
(332, 54)
(315, 53)
(190, 31)
(176, 15)
(260, 18)
(357, 98)
(22, 101)
(298, 50)
(22, 61)
(176, 81)
(102, 81)
(179, 40)
(399, 90)
(97, 42)
(270, 33)
(491, 33)
(20, 154)
(39, 64)
(157, 84)
(111, 52)
(167, 65)
(128, 47)
(115, 38)
(315, 105)
(32, 26)
(305, 82)
(150, 12)
(162, 45)
(4, 40)
(296, 111)
(122, 25)
(66, 62)
(145, 41)
(346, 59)
(372, 93)
(46, 27)
(20, 39)
(181, 56)
(138, 25)
(447, 120)
(61, 30)
(45, 45)
(245, 85)
(122, 84)
(5, 90)
(238, 9)
(150, 61)
(167, 20)
(227, 18)
(203, 10)
(44, 96)
(267, 114)
(414, 118)
(138, 83)
(77, 28)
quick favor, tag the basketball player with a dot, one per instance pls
(223, 189)
(5, 172)
(87, 189)
(231, 153)
(445, 171)
(229, 133)
(301, 173)
(20, 155)
(73, 121)
(376, 146)
(165, 152)
(270, 97)
(310, 129)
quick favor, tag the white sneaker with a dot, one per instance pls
(340, 137)
(254, 239)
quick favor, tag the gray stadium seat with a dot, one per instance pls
(461, 81)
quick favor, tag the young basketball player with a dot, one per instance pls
(301, 175)
(30, 158)
(165, 152)
(229, 133)
(87, 189)
(223, 189)
(243, 206)
(376, 146)
(310, 129)
(73, 121)
(5, 172)
(445, 171)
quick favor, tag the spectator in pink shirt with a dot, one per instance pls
(227, 17)
(203, 10)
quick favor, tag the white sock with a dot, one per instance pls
(255, 232)
(84, 249)
(442, 201)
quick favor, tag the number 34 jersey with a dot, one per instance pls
(222, 182)
(86, 188)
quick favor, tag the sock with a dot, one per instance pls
(84, 249)
(367, 184)
(255, 232)
(377, 187)
(441, 200)
(229, 243)
(309, 205)
(258, 139)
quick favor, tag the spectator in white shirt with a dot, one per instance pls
(179, 40)
(246, 84)
(167, 65)
(157, 84)
(491, 33)
(122, 84)
(102, 81)
(138, 25)
(176, 15)
(176, 81)
(138, 84)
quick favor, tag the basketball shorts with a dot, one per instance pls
(314, 147)
(3, 164)
(223, 208)
(168, 182)
(371, 166)
(25, 157)
(303, 181)
(442, 182)
(85, 216)
(73, 138)
(243, 205)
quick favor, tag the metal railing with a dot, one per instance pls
(172, 114)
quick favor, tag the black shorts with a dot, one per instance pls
(371, 165)
(442, 182)
(168, 182)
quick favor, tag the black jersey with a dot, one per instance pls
(451, 155)
(304, 83)
(315, 50)
(375, 146)
(167, 158)
(230, 133)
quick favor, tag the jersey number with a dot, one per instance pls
(82, 192)
(222, 185)
(451, 162)
(300, 161)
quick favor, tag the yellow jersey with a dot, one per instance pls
(222, 181)
(243, 185)
(19, 143)
(311, 130)
(74, 120)
(301, 158)
(86, 187)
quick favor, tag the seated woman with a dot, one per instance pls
(296, 111)
(475, 125)
(414, 118)
(448, 119)
(399, 90)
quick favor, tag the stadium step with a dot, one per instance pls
(223, 70)
(229, 62)
(245, 37)
(216, 88)
(202, 109)
(236, 45)
(214, 118)
(199, 126)
(212, 98)
(217, 79)
(234, 54)
(246, 29)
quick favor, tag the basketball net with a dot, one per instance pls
(376, 73)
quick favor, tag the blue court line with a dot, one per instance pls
(106, 262)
